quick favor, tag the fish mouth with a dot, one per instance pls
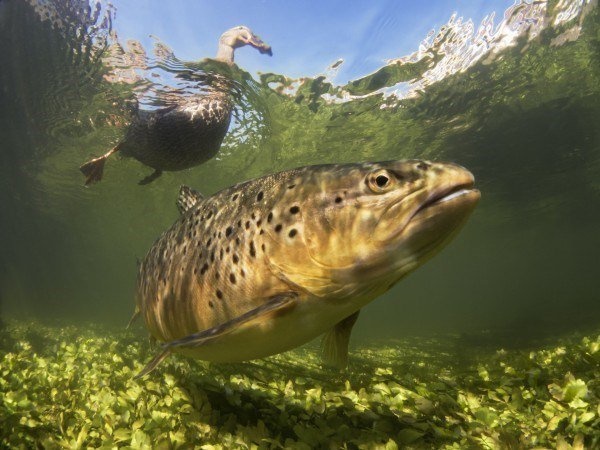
(440, 217)
(444, 202)
(450, 196)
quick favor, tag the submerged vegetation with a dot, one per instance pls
(73, 387)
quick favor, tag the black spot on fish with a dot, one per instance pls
(217, 275)
(239, 224)
(219, 294)
(253, 216)
(237, 241)
(235, 197)
(260, 196)
(292, 232)
(220, 234)
(264, 248)
(232, 278)
(247, 224)
(221, 254)
(211, 304)
(278, 227)
(212, 256)
(235, 258)
(291, 186)
(270, 217)
(195, 270)
(252, 249)
(208, 242)
(261, 232)
(228, 231)
(228, 249)
(209, 215)
(338, 199)
(294, 210)
(258, 223)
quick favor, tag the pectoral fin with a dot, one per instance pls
(335, 342)
(135, 315)
(275, 304)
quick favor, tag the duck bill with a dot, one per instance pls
(259, 45)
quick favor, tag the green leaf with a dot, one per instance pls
(409, 435)
(122, 434)
(575, 389)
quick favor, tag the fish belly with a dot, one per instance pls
(267, 337)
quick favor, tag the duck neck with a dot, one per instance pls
(225, 53)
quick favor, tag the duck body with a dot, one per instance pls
(181, 136)
(187, 133)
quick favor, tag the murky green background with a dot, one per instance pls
(524, 120)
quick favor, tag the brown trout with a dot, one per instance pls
(269, 264)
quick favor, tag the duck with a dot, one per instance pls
(186, 133)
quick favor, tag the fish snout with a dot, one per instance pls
(436, 193)
(444, 181)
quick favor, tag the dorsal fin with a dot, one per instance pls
(188, 198)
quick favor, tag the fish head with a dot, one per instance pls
(370, 224)
(240, 36)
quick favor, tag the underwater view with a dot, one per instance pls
(357, 225)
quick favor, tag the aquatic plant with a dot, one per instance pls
(72, 387)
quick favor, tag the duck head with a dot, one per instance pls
(238, 37)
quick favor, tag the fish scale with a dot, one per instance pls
(268, 264)
(212, 246)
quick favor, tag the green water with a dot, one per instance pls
(523, 273)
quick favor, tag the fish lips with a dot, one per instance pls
(438, 219)
(420, 233)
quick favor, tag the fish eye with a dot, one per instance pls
(382, 181)
(379, 181)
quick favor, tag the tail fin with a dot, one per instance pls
(94, 168)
